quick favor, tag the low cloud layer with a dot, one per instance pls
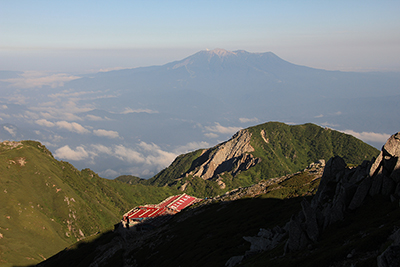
(105, 133)
(10, 130)
(246, 120)
(67, 153)
(31, 79)
(218, 128)
(145, 159)
(369, 136)
(129, 110)
(70, 126)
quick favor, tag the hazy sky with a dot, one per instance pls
(92, 35)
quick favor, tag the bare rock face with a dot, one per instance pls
(231, 156)
(341, 190)
(391, 256)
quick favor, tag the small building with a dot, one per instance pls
(169, 206)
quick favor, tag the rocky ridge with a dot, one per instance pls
(231, 156)
(341, 190)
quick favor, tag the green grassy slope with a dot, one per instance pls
(286, 149)
(209, 235)
(204, 235)
(283, 149)
(47, 205)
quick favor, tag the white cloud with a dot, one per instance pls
(105, 133)
(327, 124)
(67, 153)
(245, 120)
(17, 99)
(129, 110)
(111, 69)
(127, 154)
(5, 115)
(211, 135)
(10, 130)
(218, 128)
(31, 115)
(31, 79)
(148, 156)
(70, 93)
(319, 116)
(156, 156)
(95, 118)
(62, 110)
(3, 107)
(192, 146)
(109, 173)
(145, 159)
(102, 149)
(369, 136)
(72, 126)
(56, 138)
(44, 122)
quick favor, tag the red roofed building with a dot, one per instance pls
(169, 206)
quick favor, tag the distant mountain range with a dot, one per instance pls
(138, 120)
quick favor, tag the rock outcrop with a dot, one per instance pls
(342, 190)
(231, 156)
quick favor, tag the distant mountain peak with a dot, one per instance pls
(220, 52)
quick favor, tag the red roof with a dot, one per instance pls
(182, 202)
(174, 203)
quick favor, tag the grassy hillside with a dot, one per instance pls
(207, 234)
(48, 205)
(211, 232)
(286, 149)
(283, 149)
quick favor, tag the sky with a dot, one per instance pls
(90, 36)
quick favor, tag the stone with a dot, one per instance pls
(395, 175)
(376, 164)
(390, 257)
(361, 193)
(266, 239)
(360, 173)
(376, 184)
(311, 224)
(388, 186)
(392, 145)
(297, 236)
(232, 155)
(235, 260)
(397, 190)
(334, 168)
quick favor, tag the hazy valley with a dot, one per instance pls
(136, 121)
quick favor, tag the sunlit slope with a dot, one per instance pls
(281, 149)
(47, 205)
